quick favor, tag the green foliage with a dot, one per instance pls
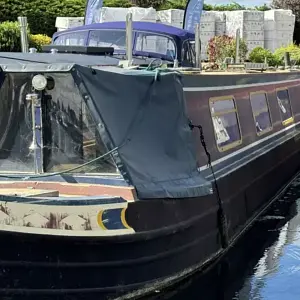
(117, 3)
(150, 3)
(220, 47)
(10, 37)
(229, 7)
(259, 54)
(38, 40)
(181, 4)
(217, 48)
(264, 7)
(235, 6)
(173, 4)
(243, 49)
(41, 14)
(293, 49)
(223, 7)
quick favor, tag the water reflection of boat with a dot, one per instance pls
(107, 177)
(237, 275)
(271, 264)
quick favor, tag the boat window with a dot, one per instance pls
(261, 112)
(15, 124)
(188, 53)
(147, 42)
(225, 122)
(71, 136)
(285, 106)
(108, 38)
(72, 38)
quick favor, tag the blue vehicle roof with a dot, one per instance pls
(139, 26)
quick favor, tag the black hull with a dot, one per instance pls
(172, 239)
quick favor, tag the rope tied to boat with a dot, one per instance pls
(64, 171)
(223, 227)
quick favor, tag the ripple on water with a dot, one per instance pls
(265, 263)
(276, 276)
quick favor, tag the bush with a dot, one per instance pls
(38, 40)
(117, 3)
(173, 4)
(220, 47)
(10, 37)
(293, 49)
(243, 49)
(259, 54)
(217, 48)
(41, 14)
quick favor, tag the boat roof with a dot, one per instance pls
(57, 62)
(139, 26)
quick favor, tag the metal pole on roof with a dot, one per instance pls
(23, 29)
(237, 49)
(129, 35)
(197, 46)
(287, 60)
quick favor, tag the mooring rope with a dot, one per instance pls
(223, 227)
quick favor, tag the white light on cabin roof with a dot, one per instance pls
(39, 82)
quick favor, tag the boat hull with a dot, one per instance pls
(48, 264)
(172, 239)
(149, 244)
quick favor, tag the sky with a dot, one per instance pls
(242, 2)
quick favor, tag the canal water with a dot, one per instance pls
(264, 265)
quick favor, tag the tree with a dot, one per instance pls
(117, 3)
(264, 7)
(41, 14)
(149, 3)
(173, 4)
(294, 5)
(229, 7)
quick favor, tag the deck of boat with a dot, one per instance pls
(62, 189)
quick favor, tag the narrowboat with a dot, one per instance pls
(119, 181)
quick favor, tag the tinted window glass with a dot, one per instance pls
(72, 137)
(222, 106)
(108, 38)
(188, 52)
(16, 138)
(284, 104)
(155, 43)
(225, 122)
(72, 38)
(260, 110)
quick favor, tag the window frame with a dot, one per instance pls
(190, 51)
(64, 33)
(137, 32)
(107, 29)
(135, 36)
(269, 111)
(291, 119)
(224, 98)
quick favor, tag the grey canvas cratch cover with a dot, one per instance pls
(147, 119)
(144, 117)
